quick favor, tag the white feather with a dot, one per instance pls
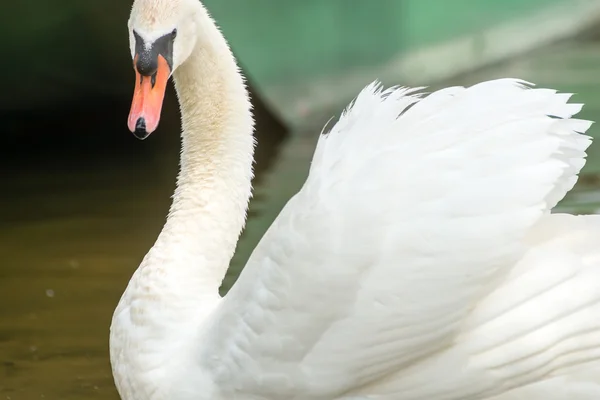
(418, 262)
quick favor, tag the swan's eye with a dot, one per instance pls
(174, 33)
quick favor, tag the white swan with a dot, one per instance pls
(418, 262)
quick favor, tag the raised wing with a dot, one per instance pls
(413, 210)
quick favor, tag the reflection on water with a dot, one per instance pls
(78, 216)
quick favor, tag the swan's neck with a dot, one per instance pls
(214, 184)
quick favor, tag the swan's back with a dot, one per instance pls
(400, 269)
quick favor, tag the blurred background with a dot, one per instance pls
(83, 200)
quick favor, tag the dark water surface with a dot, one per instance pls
(79, 211)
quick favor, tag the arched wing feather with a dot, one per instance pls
(414, 208)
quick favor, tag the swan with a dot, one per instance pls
(419, 261)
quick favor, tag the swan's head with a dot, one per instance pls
(162, 35)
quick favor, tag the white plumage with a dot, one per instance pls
(419, 261)
(421, 236)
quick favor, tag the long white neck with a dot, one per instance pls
(214, 184)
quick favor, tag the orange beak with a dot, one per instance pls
(148, 98)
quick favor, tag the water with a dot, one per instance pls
(78, 216)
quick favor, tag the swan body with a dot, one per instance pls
(419, 261)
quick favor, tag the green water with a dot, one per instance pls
(71, 237)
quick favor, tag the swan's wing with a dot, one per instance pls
(536, 336)
(412, 210)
